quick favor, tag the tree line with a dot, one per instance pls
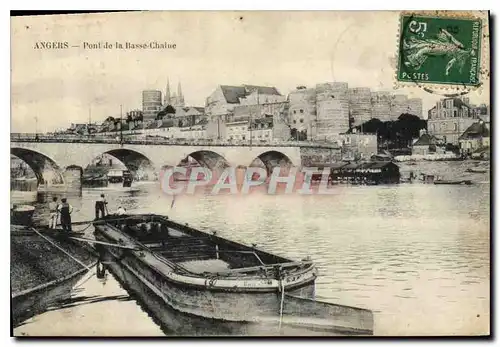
(394, 134)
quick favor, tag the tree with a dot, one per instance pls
(395, 134)
(117, 122)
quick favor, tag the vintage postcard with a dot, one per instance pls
(250, 174)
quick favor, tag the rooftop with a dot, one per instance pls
(232, 94)
(478, 129)
(426, 140)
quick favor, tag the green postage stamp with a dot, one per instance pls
(439, 50)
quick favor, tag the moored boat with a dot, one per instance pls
(22, 214)
(456, 182)
(208, 276)
(477, 170)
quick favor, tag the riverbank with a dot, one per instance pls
(35, 261)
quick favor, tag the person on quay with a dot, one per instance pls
(65, 210)
(100, 207)
(53, 210)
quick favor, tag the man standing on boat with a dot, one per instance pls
(53, 213)
(65, 211)
(100, 207)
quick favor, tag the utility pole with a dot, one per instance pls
(90, 120)
(218, 127)
(121, 124)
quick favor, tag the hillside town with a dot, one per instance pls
(363, 122)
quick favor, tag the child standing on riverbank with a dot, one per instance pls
(53, 213)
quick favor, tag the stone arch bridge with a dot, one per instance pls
(51, 156)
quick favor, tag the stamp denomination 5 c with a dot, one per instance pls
(439, 50)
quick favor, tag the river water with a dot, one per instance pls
(418, 255)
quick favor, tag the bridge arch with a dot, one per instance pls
(272, 159)
(45, 168)
(132, 159)
(208, 159)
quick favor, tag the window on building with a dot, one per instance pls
(302, 120)
(294, 121)
(443, 125)
(294, 111)
(455, 113)
(301, 111)
(243, 137)
(455, 126)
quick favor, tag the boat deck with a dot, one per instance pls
(208, 265)
(194, 252)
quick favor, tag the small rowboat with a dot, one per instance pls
(477, 170)
(22, 214)
(205, 275)
(456, 182)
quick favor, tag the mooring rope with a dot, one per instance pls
(60, 248)
(82, 230)
(88, 278)
(282, 286)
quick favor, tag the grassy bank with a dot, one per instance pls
(34, 261)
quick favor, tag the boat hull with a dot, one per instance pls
(176, 322)
(463, 182)
(245, 305)
(22, 217)
(244, 295)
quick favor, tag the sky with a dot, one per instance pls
(281, 49)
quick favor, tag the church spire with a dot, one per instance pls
(167, 94)
(179, 94)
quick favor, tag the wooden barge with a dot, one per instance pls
(209, 277)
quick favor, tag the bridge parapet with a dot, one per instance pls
(157, 141)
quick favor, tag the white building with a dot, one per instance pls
(237, 130)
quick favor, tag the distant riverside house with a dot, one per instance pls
(224, 98)
(450, 117)
(262, 129)
(357, 145)
(83, 129)
(476, 137)
(426, 144)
